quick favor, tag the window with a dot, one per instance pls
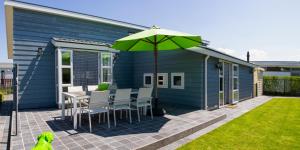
(148, 79)
(235, 82)
(66, 67)
(177, 80)
(162, 80)
(106, 67)
(221, 84)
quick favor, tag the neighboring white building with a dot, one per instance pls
(280, 68)
(6, 74)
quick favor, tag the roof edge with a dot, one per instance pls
(73, 14)
(214, 53)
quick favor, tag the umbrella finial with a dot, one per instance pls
(155, 27)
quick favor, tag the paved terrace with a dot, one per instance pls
(148, 134)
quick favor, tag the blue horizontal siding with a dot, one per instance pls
(33, 30)
(170, 62)
(212, 83)
(246, 82)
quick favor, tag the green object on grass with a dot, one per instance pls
(103, 86)
(273, 125)
(44, 141)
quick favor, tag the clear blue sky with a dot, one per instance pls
(269, 29)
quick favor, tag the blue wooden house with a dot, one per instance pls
(55, 48)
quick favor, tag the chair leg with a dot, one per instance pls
(80, 117)
(108, 121)
(151, 112)
(138, 113)
(115, 118)
(126, 114)
(90, 122)
(71, 113)
(99, 118)
(104, 117)
(121, 114)
(130, 116)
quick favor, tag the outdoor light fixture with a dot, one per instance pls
(115, 57)
(219, 65)
(40, 51)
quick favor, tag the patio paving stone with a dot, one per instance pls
(124, 136)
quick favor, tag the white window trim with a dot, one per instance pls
(222, 76)
(235, 77)
(101, 67)
(144, 81)
(182, 80)
(165, 80)
(61, 67)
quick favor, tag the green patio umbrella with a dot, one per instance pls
(156, 39)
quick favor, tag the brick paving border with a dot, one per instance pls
(5, 118)
(180, 135)
(242, 108)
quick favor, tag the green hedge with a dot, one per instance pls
(285, 86)
(6, 91)
(1, 97)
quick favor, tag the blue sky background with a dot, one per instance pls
(269, 29)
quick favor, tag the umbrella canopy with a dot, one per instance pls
(156, 39)
(164, 40)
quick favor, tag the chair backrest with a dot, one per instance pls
(145, 93)
(75, 89)
(92, 87)
(113, 86)
(122, 96)
(98, 99)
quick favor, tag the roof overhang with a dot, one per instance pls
(82, 45)
(9, 30)
(10, 5)
(220, 55)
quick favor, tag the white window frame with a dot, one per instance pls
(103, 67)
(61, 67)
(165, 80)
(144, 81)
(222, 76)
(235, 77)
(182, 80)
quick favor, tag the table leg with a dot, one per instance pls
(79, 113)
(75, 113)
(145, 110)
(63, 107)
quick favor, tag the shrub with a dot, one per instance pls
(1, 97)
(287, 85)
(103, 86)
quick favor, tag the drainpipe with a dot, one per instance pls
(205, 82)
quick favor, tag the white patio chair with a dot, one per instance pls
(98, 104)
(143, 100)
(122, 102)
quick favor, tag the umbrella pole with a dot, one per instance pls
(155, 75)
(158, 111)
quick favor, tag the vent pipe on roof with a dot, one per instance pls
(248, 56)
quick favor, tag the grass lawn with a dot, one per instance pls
(273, 125)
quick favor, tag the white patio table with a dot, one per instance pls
(76, 97)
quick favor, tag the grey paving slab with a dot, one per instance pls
(178, 121)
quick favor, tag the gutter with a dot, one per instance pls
(205, 82)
